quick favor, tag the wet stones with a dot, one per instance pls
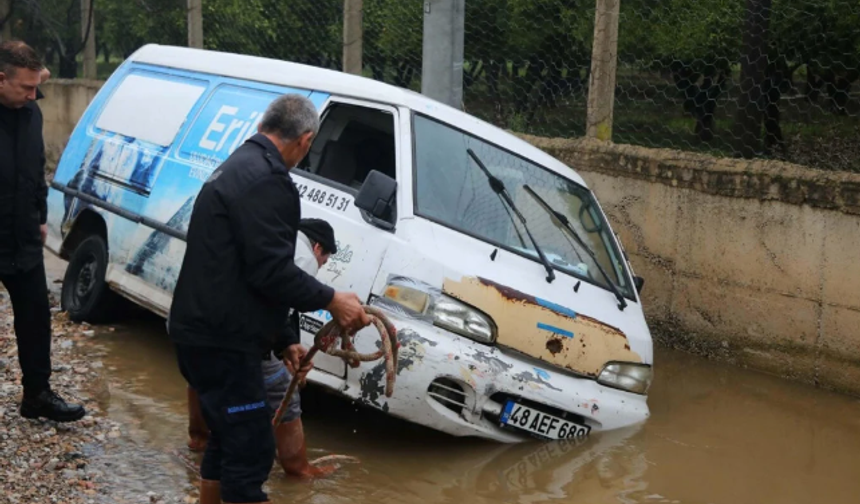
(42, 461)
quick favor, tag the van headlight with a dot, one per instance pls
(627, 376)
(419, 300)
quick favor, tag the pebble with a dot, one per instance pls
(45, 462)
(41, 461)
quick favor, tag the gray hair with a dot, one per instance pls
(290, 116)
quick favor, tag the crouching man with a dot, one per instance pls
(315, 243)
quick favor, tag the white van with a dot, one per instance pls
(518, 313)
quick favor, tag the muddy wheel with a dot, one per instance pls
(86, 296)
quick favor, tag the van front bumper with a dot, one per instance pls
(458, 386)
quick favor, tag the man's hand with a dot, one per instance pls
(43, 230)
(293, 359)
(347, 312)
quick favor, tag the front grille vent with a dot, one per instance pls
(448, 393)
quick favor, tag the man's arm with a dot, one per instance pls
(263, 233)
(42, 190)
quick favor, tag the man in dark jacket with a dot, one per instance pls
(237, 283)
(23, 213)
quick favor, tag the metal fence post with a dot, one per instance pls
(442, 55)
(604, 59)
(352, 36)
(195, 24)
(88, 33)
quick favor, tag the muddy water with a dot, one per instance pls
(717, 435)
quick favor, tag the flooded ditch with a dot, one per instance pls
(717, 435)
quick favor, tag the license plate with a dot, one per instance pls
(542, 424)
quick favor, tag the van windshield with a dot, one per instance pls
(453, 191)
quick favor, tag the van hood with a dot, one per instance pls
(543, 329)
(569, 324)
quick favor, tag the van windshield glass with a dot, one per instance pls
(452, 190)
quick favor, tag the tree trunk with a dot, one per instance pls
(813, 85)
(68, 66)
(378, 70)
(773, 138)
(840, 91)
(706, 105)
(6, 19)
(747, 127)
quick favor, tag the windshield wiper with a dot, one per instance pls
(498, 187)
(622, 303)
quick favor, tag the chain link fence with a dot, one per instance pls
(755, 78)
(526, 64)
(766, 78)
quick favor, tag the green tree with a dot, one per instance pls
(695, 41)
(393, 40)
(122, 26)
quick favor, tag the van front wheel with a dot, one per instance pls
(85, 295)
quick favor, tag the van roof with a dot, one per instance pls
(309, 77)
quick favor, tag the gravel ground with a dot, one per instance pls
(46, 462)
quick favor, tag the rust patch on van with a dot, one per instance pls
(555, 346)
(542, 329)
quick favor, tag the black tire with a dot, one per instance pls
(85, 295)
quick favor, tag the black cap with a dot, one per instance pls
(319, 231)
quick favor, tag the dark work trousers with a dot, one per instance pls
(28, 292)
(241, 446)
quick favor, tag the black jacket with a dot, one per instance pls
(23, 192)
(238, 278)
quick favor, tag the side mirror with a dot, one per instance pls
(376, 197)
(639, 282)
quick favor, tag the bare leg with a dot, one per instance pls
(198, 432)
(210, 492)
(292, 452)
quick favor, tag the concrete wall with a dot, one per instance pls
(751, 261)
(64, 103)
(755, 262)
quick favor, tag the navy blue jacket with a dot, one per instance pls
(238, 278)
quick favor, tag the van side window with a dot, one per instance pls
(136, 127)
(352, 141)
(159, 107)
